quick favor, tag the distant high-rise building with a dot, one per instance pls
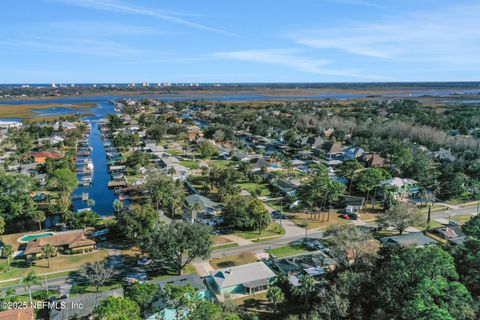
(54, 85)
(145, 84)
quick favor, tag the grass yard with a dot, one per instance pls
(217, 240)
(20, 268)
(289, 250)
(305, 220)
(220, 163)
(273, 229)
(192, 164)
(232, 261)
(251, 187)
(462, 218)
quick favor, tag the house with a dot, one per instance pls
(315, 264)
(10, 124)
(287, 187)
(18, 314)
(373, 160)
(69, 308)
(74, 241)
(239, 156)
(334, 150)
(399, 188)
(176, 172)
(64, 125)
(244, 279)
(353, 153)
(42, 156)
(452, 234)
(193, 280)
(416, 239)
(260, 163)
(444, 155)
(208, 211)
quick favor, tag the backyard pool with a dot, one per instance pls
(35, 236)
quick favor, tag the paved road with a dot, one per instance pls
(455, 212)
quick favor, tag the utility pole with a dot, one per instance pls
(429, 216)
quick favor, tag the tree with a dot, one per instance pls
(180, 298)
(400, 216)
(65, 180)
(348, 170)
(138, 222)
(178, 243)
(117, 308)
(84, 218)
(117, 205)
(275, 296)
(49, 251)
(7, 252)
(97, 273)
(472, 227)
(306, 289)
(38, 217)
(246, 213)
(30, 280)
(211, 311)
(2, 224)
(467, 261)
(144, 294)
(351, 246)
(165, 192)
(206, 149)
(156, 132)
(368, 179)
(225, 180)
(90, 203)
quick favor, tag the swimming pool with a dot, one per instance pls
(35, 236)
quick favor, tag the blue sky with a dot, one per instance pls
(44, 41)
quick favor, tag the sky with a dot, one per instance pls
(212, 41)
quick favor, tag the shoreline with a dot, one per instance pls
(26, 111)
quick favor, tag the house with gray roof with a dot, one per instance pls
(203, 210)
(415, 239)
(444, 155)
(244, 279)
(69, 308)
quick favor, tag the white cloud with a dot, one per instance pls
(168, 16)
(293, 59)
(441, 35)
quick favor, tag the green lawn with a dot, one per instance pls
(192, 164)
(461, 219)
(289, 250)
(273, 229)
(250, 187)
(220, 163)
(231, 261)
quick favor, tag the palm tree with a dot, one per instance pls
(305, 289)
(48, 251)
(38, 216)
(30, 280)
(90, 203)
(275, 295)
(171, 171)
(117, 205)
(7, 252)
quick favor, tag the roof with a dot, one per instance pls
(335, 148)
(373, 160)
(398, 182)
(450, 232)
(18, 314)
(87, 301)
(444, 154)
(47, 154)
(416, 239)
(74, 239)
(191, 279)
(204, 202)
(243, 274)
(259, 163)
